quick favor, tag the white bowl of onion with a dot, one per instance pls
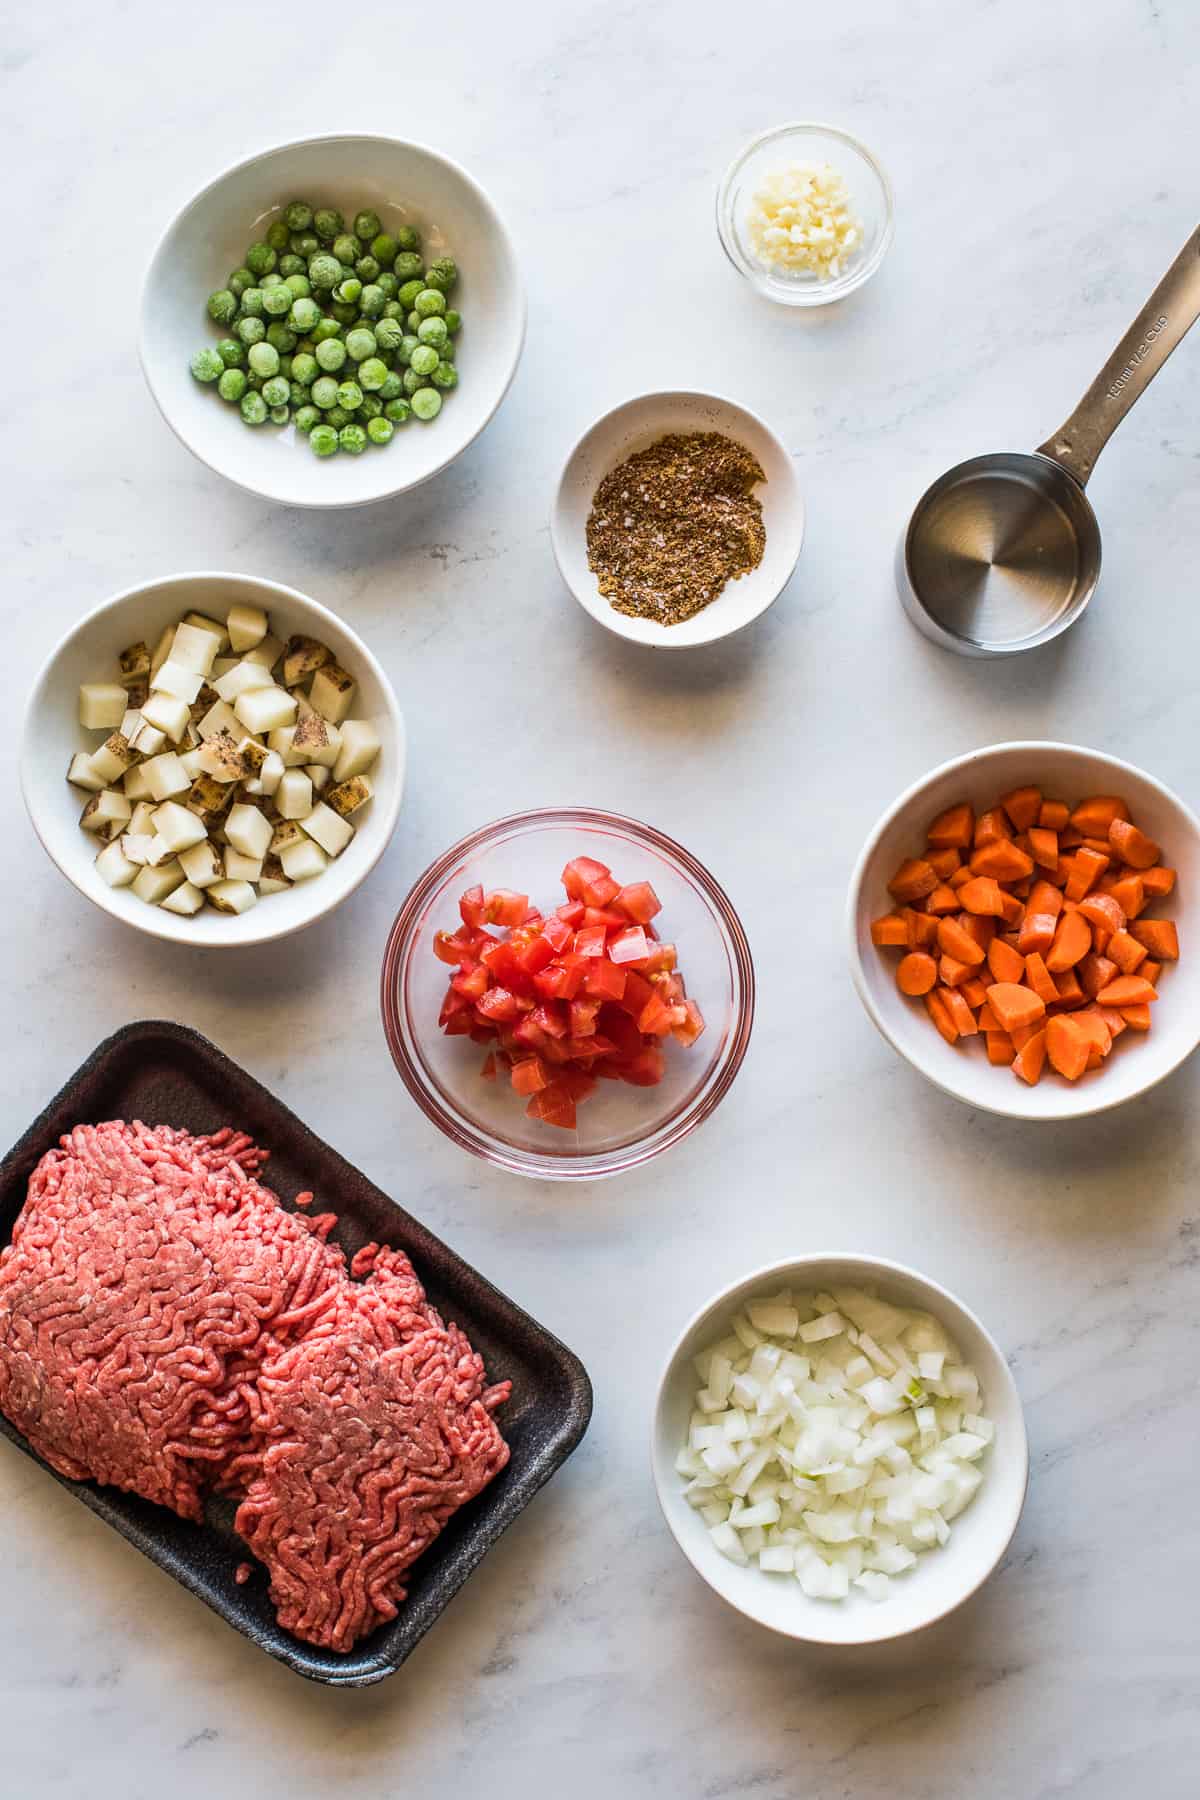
(81, 680)
(836, 1483)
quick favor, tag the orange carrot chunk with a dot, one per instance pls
(987, 1020)
(1040, 979)
(1054, 815)
(953, 829)
(937, 1011)
(1087, 866)
(1125, 951)
(912, 880)
(1160, 937)
(1132, 845)
(917, 973)
(956, 942)
(952, 973)
(1005, 964)
(1150, 971)
(1072, 940)
(1066, 1046)
(1094, 1029)
(1093, 817)
(922, 929)
(1126, 990)
(991, 828)
(974, 992)
(1030, 1059)
(1000, 1049)
(1158, 882)
(960, 1013)
(1095, 971)
(1022, 806)
(1130, 894)
(983, 895)
(943, 862)
(1003, 860)
(1015, 1006)
(1070, 993)
(1137, 1017)
(1043, 846)
(890, 932)
(942, 900)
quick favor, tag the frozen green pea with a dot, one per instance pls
(285, 363)
(279, 415)
(324, 271)
(433, 331)
(231, 353)
(264, 359)
(371, 301)
(337, 416)
(367, 224)
(389, 334)
(372, 374)
(446, 352)
(300, 285)
(366, 268)
(306, 417)
(429, 303)
(253, 408)
(277, 235)
(207, 366)
(387, 284)
(346, 292)
(371, 407)
(423, 361)
(291, 265)
(251, 331)
(413, 322)
(297, 215)
(305, 243)
(345, 315)
(453, 321)
(297, 394)
(426, 404)
(275, 391)
(328, 223)
(260, 259)
(393, 310)
(304, 315)
(280, 338)
(398, 410)
(274, 279)
(361, 343)
(324, 440)
(251, 303)
(384, 248)
(347, 248)
(407, 237)
(239, 281)
(331, 354)
(411, 381)
(353, 439)
(223, 306)
(408, 293)
(445, 376)
(442, 273)
(350, 396)
(380, 430)
(305, 367)
(409, 267)
(408, 344)
(232, 385)
(328, 328)
(254, 381)
(277, 301)
(307, 344)
(392, 387)
(324, 392)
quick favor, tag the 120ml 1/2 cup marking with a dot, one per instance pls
(1139, 355)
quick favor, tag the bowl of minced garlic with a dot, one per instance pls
(805, 214)
(678, 519)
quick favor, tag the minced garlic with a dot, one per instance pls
(801, 221)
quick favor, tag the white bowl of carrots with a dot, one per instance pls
(1016, 922)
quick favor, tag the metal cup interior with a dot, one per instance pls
(1001, 554)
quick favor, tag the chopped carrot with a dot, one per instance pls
(890, 932)
(983, 895)
(1023, 806)
(1003, 860)
(912, 880)
(1126, 990)
(1044, 897)
(1105, 915)
(974, 992)
(1040, 978)
(943, 862)
(1112, 1018)
(1014, 1006)
(1037, 932)
(1130, 895)
(1093, 1027)
(1067, 1046)
(953, 829)
(1069, 993)
(1030, 1059)
(1021, 1034)
(1069, 838)
(1093, 817)
(1043, 846)
(1137, 1017)
(1132, 845)
(1000, 1049)
(1086, 869)
(1158, 882)
(958, 943)
(942, 900)
(1159, 936)
(922, 929)
(1072, 939)
(1095, 971)
(1053, 815)
(916, 973)
(936, 1006)
(991, 828)
(1125, 951)
(976, 926)
(1014, 909)
(952, 973)
(987, 1019)
(1150, 971)
(960, 1013)
(960, 877)
(1005, 964)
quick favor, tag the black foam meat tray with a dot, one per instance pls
(167, 1074)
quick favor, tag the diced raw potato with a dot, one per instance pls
(253, 754)
(130, 721)
(332, 692)
(166, 776)
(271, 773)
(287, 832)
(221, 758)
(302, 861)
(101, 705)
(113, 866)
(135, 783)
(248, 830)
(177, 827)
(209, 797)
(191, 762)
(219, 717)
(265, 709)
(174, 679)
(143, 847)
(304, 707)
(360, 747)
(135, 664)
(192, 647)
(241, 868)
(281, 742)
(154, 884)
(142, 817)
(222, 666)
(316, 740)
(332, 833)
(186, 899)
(231, 896)
(272, 870)
(271, 884)
(246, 625)
(348, 796)
(243, 678)
(319, 774)
(162, 650)
(147, 740)
(302, 657)
(168, 713)
(201, 864)
(107, 813)
(267, 653)
(113, 757)
(214, 628)
(82, 775)
(294, 795)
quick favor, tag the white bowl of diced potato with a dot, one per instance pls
(213, 758)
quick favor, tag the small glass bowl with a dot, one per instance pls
(871, 198)
(619, 1126)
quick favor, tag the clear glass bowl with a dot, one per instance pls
(619, 1126)
(870, 192)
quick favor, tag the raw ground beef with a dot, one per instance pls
(167, 1327)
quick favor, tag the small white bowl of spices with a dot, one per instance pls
(805, 214)
(678, 519)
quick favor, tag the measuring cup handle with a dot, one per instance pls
(1171, 310)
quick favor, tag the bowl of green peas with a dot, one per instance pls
(334, 321)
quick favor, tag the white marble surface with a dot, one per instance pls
(1040, 156)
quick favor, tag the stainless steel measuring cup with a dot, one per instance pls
(1003, 552)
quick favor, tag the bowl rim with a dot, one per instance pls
(591, 1166)
(819, 294)
(877, 1268)
(159, 923)
(276, 149)
(1092, 1099)
(610, 618)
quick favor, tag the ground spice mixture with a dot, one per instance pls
(672, 524)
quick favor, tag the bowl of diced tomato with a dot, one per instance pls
(1020, 928)
(567, 993)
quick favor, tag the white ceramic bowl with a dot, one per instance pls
(1138, 1060)
(942, 1579)
(52, 734)
(636, 425)
(406, 184)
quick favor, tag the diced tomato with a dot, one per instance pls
(452, 1003)
(585, 1049)
(658, 1017)
(498, 1003)
(658, 958)
(471, 980)
(482, 1034)
(687, 1033)
(557, 932)
(562, 981)
(472, 909)
(604, 915)
(583, 1017)
(646, 1068)
(447, 948)
(505, 966)
(638, 992)
(620, 1030)
(639, 901)
(553, 1106)
(504, 907)
(629, 946)
(551, 1018)
(536, 954)
(590, 941)
(488, 1070)
(604, 980)
(459, 1025)
(579, 872)
(530, 1076)
(571, 914)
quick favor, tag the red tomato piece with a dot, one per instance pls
(536, 954)
(446, 948)
(472, 908)
(571, 914)
(583, 1017)
(530, 1075)
(629, 946)
(646, 1068)
(488, 1070)
(590, 941)
(620, 1030)
(550, 1018)
(579, 872)
(604, 915)
(471, 980)
(687, 1033)
(504, 907)
(604, 980)
(658, 1017)
(659, 957)
(562, 981)
(639, 901)
(498, 1003)
(554, 1105)
(638, 991)
(557, 932)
